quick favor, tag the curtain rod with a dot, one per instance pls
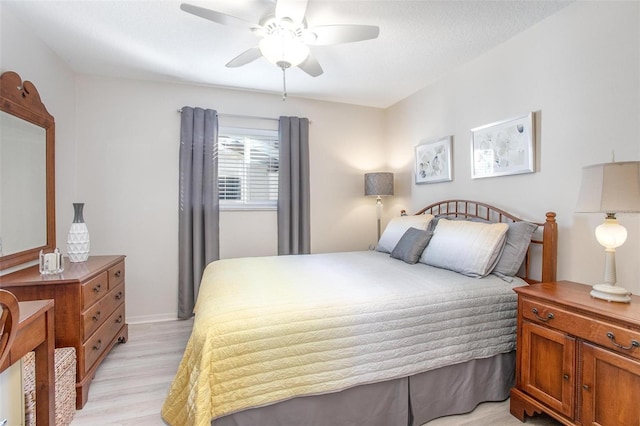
(243, 116)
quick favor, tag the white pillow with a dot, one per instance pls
(397, 227)
(470, 248)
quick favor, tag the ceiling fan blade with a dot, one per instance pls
(244, 58)
(311, 66)
(218, 17)
(336, 34)
(293, 9)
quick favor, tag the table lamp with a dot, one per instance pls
(378, 185)
(610, 188)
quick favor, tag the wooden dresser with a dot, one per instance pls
(578, 358)
(89, 309)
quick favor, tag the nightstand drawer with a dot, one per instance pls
(554, 317)
(600, 332)
(94, 289)
(621, 340)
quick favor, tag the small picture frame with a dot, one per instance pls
(433, 161)
(503, 148)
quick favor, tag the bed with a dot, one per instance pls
(399, 335)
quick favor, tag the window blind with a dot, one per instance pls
(248, 166)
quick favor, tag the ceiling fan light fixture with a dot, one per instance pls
(284, 49)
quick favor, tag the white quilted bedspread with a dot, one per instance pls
(272, 328)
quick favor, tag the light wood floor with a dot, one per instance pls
(132, 382)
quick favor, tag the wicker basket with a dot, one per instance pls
(65, 373)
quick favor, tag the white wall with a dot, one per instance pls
(579, 70)
(128, 133)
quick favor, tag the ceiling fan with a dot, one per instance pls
(285, 37)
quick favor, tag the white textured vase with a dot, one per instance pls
(78, 243)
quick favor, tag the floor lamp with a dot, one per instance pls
(378, 185)
(610, 188)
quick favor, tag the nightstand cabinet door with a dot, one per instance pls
(578, 358)
(547, 366)
(609, 388)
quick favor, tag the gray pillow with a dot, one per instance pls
(515, 248)
(411, 245)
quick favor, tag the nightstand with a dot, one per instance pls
(578, 358)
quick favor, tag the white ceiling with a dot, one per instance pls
(419, 42)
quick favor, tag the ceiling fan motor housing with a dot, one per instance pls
(283, 42)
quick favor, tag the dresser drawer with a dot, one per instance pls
(94, 289)
(99, 341)
(602, 333)
(96, 315)
(116, 275)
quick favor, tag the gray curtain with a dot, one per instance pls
(199, 207)
(293, 187)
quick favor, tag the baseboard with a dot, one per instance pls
(142, 319)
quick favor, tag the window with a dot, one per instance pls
(248, 168)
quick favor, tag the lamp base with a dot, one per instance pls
(611, 293)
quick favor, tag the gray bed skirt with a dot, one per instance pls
(410, 401)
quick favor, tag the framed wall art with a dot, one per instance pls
(503, 148)
(433, 161)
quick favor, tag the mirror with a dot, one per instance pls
(27, 176)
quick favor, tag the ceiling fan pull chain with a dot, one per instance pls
(284, 85)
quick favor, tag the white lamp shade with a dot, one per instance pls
(378, 184)
(610, 188)
(611, 234)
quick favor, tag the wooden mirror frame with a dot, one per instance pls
(22, 100)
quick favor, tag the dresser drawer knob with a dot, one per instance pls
(96, 317)
(565, 376)
(586, 387)
(119, 295)
(97, 288)
(98, 345)
(118, 274)
(119, 319)
(612, 337)
(549, 315)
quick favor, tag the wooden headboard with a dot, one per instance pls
(547, 240)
